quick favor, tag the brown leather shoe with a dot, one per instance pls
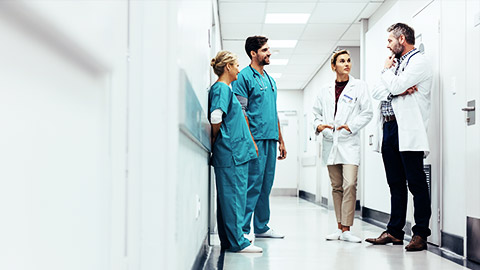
(416, 244)
(384, 239)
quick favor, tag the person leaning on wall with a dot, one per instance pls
(232, 148)
(342, 108)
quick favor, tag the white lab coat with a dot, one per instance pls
(354, 109)
(411, 111)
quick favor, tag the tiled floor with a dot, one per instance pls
(304, 247)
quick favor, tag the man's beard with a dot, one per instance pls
(264, 62)
(398, 50)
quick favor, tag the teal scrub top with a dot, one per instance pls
(234, 144)
(261, 92)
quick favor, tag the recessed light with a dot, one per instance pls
(278, 62)
(282, 43)
(287, 18)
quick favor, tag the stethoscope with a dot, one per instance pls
(263, 87)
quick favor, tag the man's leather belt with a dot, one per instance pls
(389, 118)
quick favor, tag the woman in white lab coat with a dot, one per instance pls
(342, 108)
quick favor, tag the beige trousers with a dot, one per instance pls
(344, 191)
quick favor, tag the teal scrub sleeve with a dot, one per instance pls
(240, 86)
(219, 99)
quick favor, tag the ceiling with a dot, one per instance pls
(330, 24)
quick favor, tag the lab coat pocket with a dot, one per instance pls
(344, 134)
(328, 134)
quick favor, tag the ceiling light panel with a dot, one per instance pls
(336, 12)
(275, 75)
(282, 43)
(287, 18)
(283, 31)
(278, 62)
(292, 7)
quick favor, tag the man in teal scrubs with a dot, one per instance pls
(257, 92)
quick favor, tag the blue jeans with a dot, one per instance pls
(402, 168)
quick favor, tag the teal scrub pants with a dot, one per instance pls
(261, 172)
(231, 199)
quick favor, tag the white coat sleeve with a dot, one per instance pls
(416, 71)
(318, 114)
(366, 112)
(380, 91)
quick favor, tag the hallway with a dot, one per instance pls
(305, 225)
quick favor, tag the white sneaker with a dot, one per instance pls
(269, 234)
(249, 237)
(335, 235)
(349, 237)
(251, 249)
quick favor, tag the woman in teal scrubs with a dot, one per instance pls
(232, 148)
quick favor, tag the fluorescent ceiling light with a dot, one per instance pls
(278, 62)
(275, 75)
(287, 18)
(282, 43)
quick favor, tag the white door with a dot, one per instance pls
(426, 25)
(286, 171)
(473, 94)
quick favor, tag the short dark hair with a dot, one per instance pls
(403, 29)
(254, 43)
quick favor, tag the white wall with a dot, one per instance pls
(289, 104)
(96, 172)
(57, 171)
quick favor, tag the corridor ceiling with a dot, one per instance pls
(328, 24)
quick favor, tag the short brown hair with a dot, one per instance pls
(254, 43)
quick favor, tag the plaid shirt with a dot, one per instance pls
(387, 109)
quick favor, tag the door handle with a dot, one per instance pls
(468, 109)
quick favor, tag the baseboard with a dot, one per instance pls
(324, 202)
(375, 215)
(202, 255)
(473, 239)
(453, 243)
(284, 192)
(306, 196)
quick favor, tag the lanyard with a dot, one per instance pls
(262, 85)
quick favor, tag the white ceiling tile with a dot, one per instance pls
(240, 31)
(273, 7)
(353, 32)
(336, 12)
(348, 43)
(314, 46)
(346, 1)
(274, 69)
(283, 31)
(301, 69)
(304, 59)
(324, 31)
(291, 1)
(370, 9)
(242, 13)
